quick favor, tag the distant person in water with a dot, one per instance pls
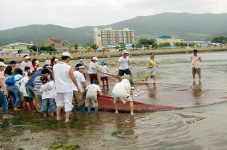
(196, 64)
(151, 67)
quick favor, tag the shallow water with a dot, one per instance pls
(192, 128)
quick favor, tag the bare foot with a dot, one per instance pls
(5, 116)
(59, 118)
(67, 121)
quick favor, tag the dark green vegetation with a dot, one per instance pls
(178, 25)
(220, 39)
(65, 147)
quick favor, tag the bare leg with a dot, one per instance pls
(193, 76)
(67, 114)
(59, 113)
(154, 78)
(35, 103)
(200, 76)
(5, 116)
(116, 107)
(131, 76)
(45, 115)
(146, 77)
(29, 106)
(131, 107)
(52, 114)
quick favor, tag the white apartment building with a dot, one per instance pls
(108, 36)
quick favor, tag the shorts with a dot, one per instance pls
(78, 98)
(151, 71)
(104, 78)
(93, 77)
(38, 97)
(196, 71)
(30, 91)
(91, 99)
(123, 99)
(28, 99)
(48, 103)
(64, 100)
(122, 72)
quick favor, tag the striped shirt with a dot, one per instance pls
(37, 84)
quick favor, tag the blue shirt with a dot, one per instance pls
(31, 80)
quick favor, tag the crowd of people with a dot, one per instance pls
(57, 85)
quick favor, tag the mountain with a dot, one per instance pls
(178, 25)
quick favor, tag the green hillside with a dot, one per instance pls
(178, 25)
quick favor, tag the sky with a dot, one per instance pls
(78, 13)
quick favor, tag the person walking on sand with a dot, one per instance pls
(122, 92)
(124, 64)
(196, 64)
(151, 67)
(64, 80)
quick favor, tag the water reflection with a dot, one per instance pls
(197, 93)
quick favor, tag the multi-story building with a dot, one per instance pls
(109, 36)
(59, 45)
(164, 39)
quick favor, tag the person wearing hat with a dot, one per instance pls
(151, 67)
(123, 64)
(93, 67)
(26, 62)
(54, 61)
(64, 81)
(196, 64)
(3, 92)
(122, 92)
(104, 69)
(78, 97)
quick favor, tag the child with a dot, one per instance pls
(26, 71)
(22, 86)
(104, 69)
(78, 97)
(48, 95)
(93, 90)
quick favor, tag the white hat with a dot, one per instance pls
(55, 59)
(94, 58)
(66, 54)
(2, 64)
(27, 57)
(125, 52)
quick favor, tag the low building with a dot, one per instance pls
(15, 48)
(108, 36)
(166, 39)
(59, 45)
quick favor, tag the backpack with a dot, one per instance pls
(10, 80)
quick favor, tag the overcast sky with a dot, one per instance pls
(77, 13)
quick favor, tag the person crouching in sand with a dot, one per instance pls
(121, 92)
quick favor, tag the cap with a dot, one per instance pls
(27, 57)
(80, 67)
(55, 59)
(66, 54)
(94, 58)
(102, 62)
(130, 80)
(195, 51)
(2, 64)
(125, 52)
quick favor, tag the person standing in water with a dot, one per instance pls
(151, 67)
(124, 64)
(196, 64)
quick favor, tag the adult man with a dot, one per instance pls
(151, 67)
(64, 80)
(25, 63)
(93, 67)
(121, 92)
(123, 64)
(78, 97)
(196, 64)
(9, 69)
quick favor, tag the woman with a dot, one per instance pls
(3, 92)
(54, 61)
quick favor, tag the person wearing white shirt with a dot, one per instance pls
(47, 61)
(93, 90)
(93, 67)
(25, 63)
(104, 70)
(48, 95)
(123, 65)
(196, 64)
(122, 92)
(78, 97)
(64, 80)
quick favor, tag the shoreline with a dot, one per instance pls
(76, 56)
